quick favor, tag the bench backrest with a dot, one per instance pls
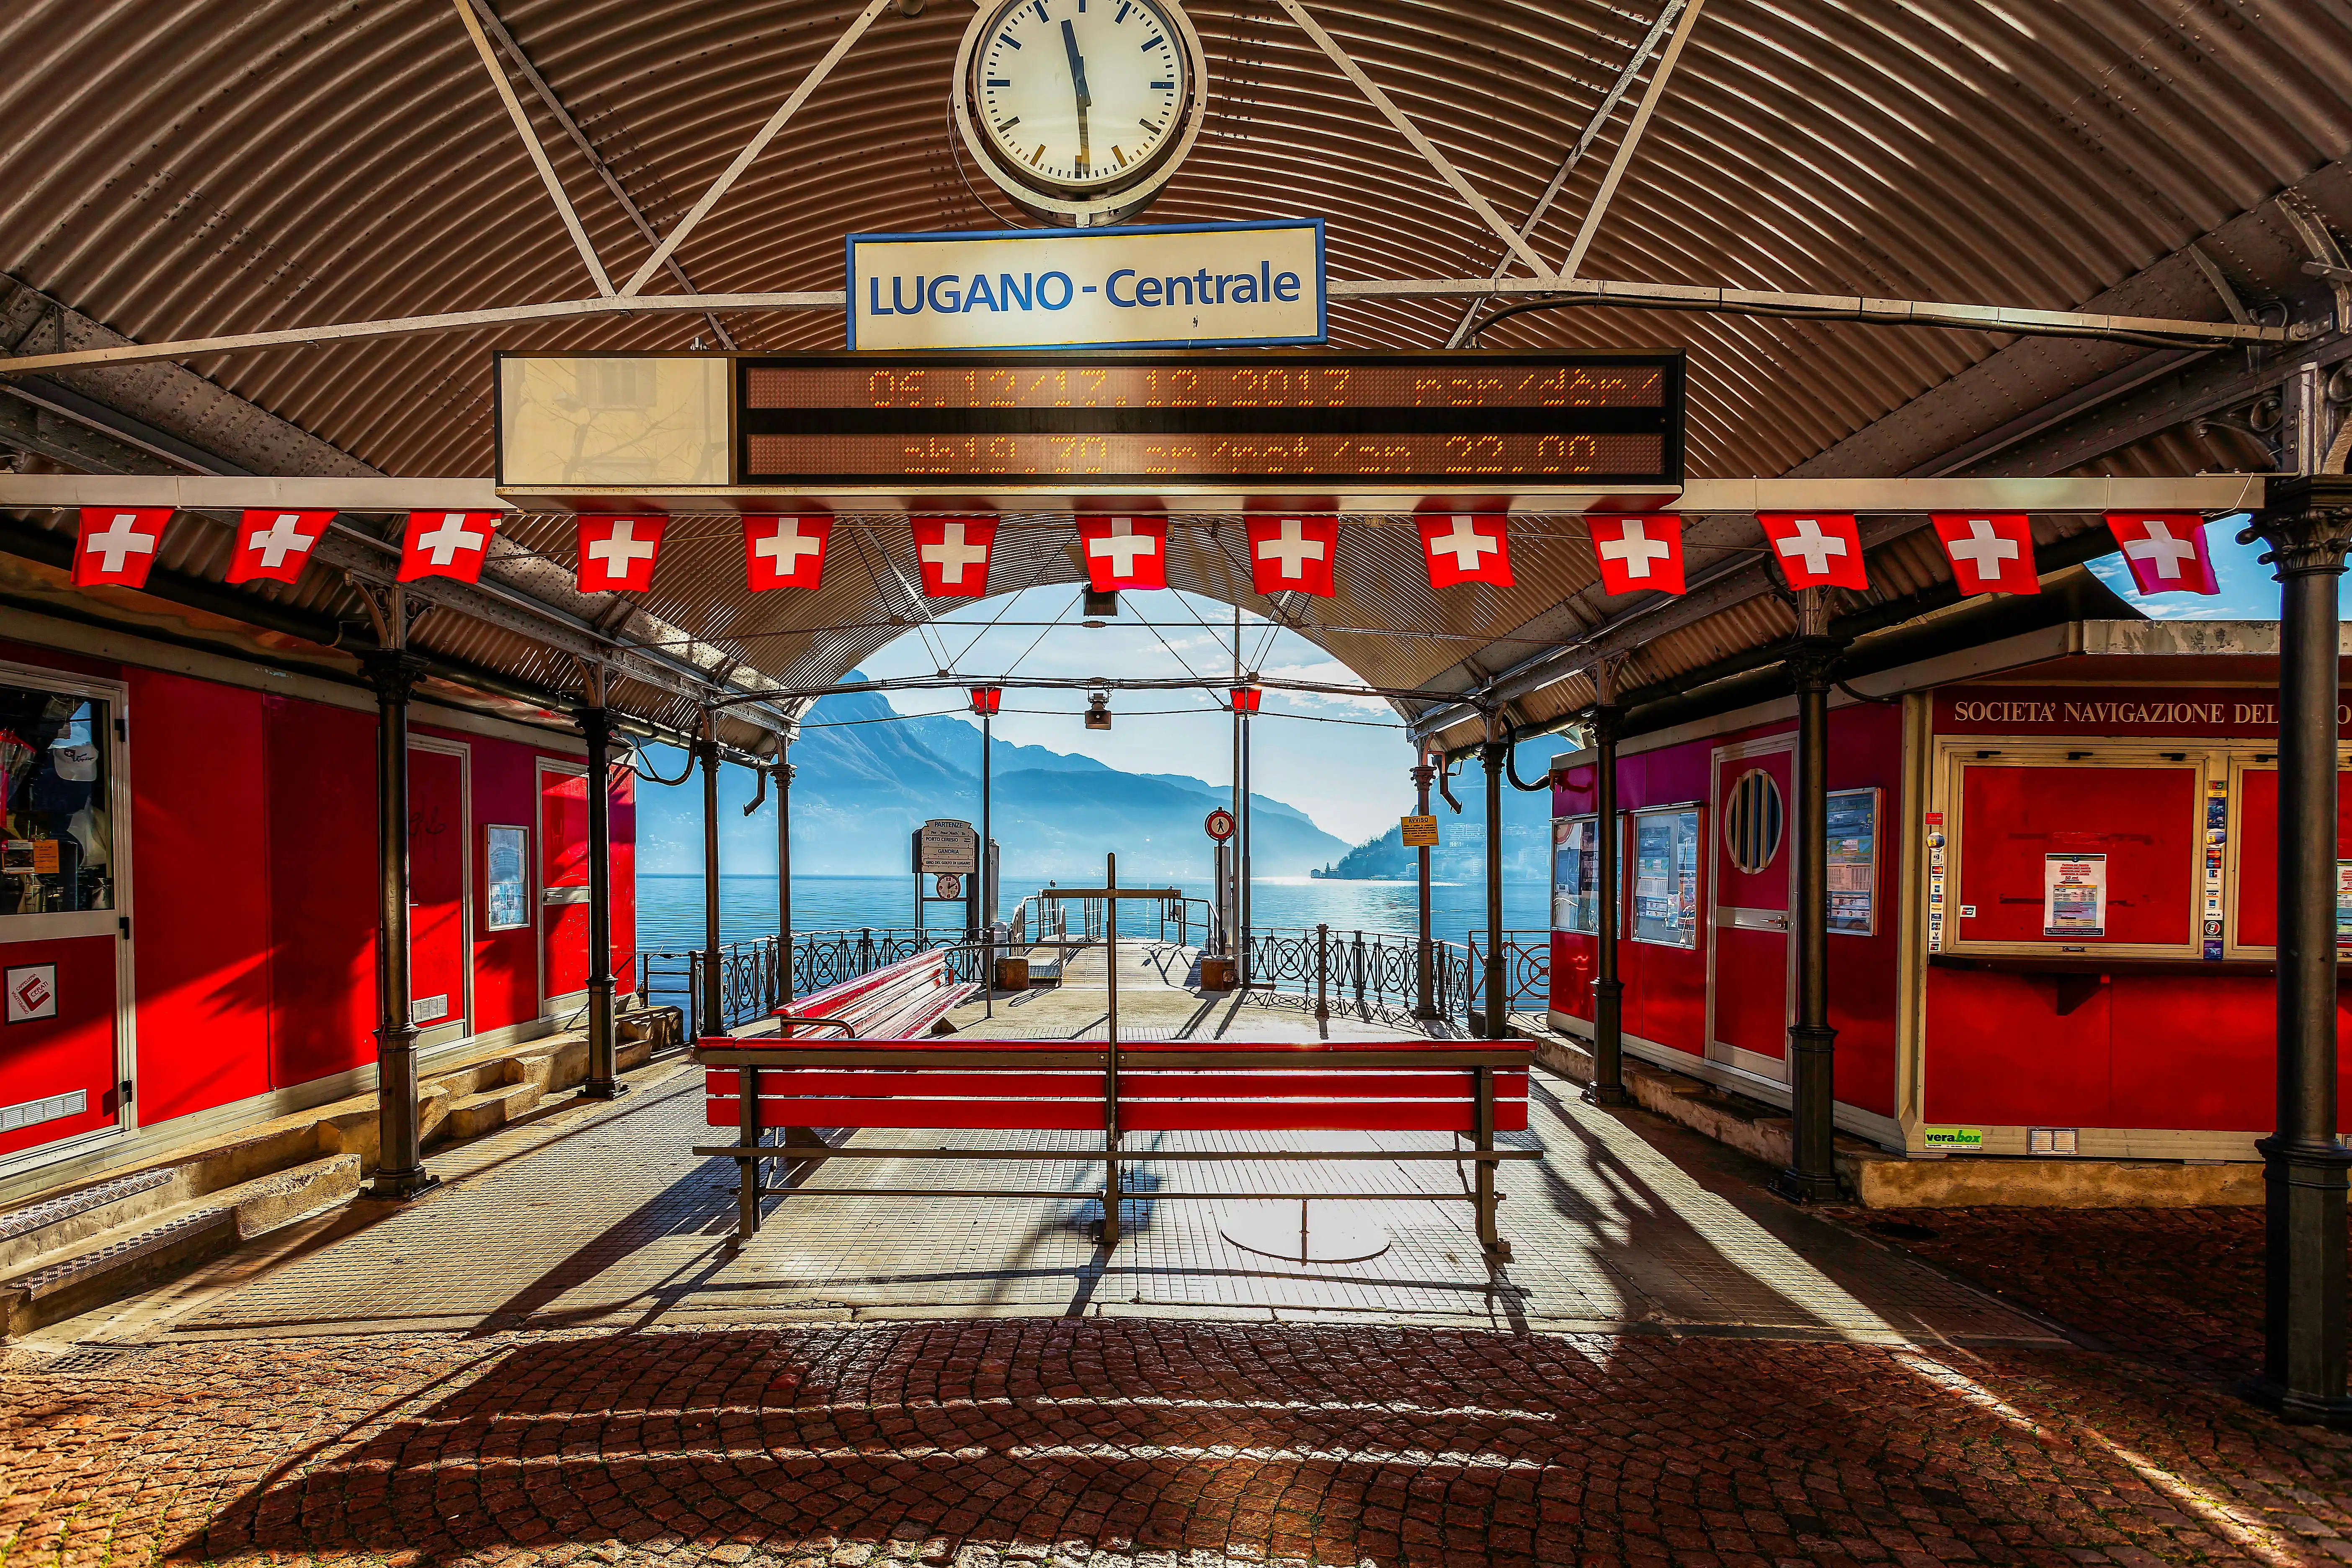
(897, 999)
(1284, 1087)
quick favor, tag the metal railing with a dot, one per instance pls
(1527, 971)
(1362, 969)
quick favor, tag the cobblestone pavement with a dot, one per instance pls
(1149, 1442)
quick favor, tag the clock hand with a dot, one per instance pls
(1078, 83)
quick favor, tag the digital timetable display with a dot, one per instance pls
(1147, 419)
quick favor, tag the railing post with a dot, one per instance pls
(1424, 955)
(746, 1122)
(1490, 1236)
(1322, 973)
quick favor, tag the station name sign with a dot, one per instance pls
(1162, 286)
(2250, 713)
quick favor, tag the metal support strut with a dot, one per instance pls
(1607, 1085)
(1424, 976)
(1112, 1194)
(1497, 975)
(706, 751)
(1811, 1174)
(2308, 526)
(603, 1072)
(400, 1170)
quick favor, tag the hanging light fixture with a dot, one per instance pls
(1099, 710)
(987, 699)
(1101, 602)
(1246, 698)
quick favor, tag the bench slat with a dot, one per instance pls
(1134, 1084)
(1151, 1116)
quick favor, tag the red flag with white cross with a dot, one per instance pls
(617, 553)
(1124, 552)
(118, 544)
(1815, 548)
(1465, 547)
(785, 551)
(1293, 554)
(1991, 553)
(953, 555)
(274, 545)
(2165, 551)
(1637, 552)
(447, 544)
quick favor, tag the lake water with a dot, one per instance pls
(669, 909)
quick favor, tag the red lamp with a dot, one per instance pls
(987, 699)
(1246, 698)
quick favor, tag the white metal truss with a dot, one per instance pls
(1633, 139)
(555, 192)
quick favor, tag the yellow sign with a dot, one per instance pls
(1420, 832)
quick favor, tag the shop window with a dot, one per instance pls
(54, 774)
(1753, 821)
(1665, 878)
(1576, 874)
(2072, 856)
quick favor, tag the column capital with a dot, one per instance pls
(784, 774)
(393, 673)
(2306, 521)
(595, 724)
(1603, 719)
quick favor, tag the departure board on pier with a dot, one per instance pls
(1497, 421)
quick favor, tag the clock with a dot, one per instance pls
(1080, 110)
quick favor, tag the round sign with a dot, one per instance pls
(948, 886)
(1219, 824)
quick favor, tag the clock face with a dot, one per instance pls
(1080, 96)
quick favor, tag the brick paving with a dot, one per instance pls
(1149, 1442)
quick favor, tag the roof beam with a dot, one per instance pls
(1656, 89)
(555, 192)
(758, 144)
(1421, 145)
(1592, 128)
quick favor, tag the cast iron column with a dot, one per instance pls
(1499, 1002)
(783, 776)
(1424, 978)
(1608, 1084)
(987, 902)
(1242, 856)
(2304, 1167)
(603, 1082)
(400, 1170)
(1811, 1175)
(706, 751)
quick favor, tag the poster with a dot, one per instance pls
(2344, 903)
(507, 906)
(2074, 895)
(1854, 861)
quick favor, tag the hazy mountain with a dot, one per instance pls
(866, 780)
(1461, 854)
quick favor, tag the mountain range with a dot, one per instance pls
(865, 778)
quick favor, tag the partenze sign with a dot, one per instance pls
(1164, 286)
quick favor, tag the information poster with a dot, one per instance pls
(1854, 861)
(1665, 878)
(508, 857)
(2344, 903)
(2074, 895)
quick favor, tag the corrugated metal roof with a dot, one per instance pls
(181, 167)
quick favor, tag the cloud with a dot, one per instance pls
(1331, 671)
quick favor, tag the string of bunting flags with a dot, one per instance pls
(1989, 552)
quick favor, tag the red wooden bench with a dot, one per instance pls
(1474, 1089)
(898, 1001)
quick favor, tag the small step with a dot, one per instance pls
(24, 1221)
(63, 1290)
(471, 1115)
(38, 1231)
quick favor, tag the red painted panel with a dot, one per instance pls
(2147, 821)
(2197, 1051)
(1866, 752)
(622, 815)
(563, 863)
(1574, 958)
(1751, 967)
(74, 1050)
(322, 888)
(1149, 1115)
(437, 830)
(2000, 1053)
(199, 834)
(505, 786)
(2257, 907)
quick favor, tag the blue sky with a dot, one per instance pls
(2248, 593)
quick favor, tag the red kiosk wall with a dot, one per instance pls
(200, 864)
(623, 895)
(1666, 986)
(320, 805)
(437, 831)
(563, 873)
(1866, 752)
(1573, 953)
(73, 1051)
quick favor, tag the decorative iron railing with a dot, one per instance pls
(1527, 971)
(1366, 971)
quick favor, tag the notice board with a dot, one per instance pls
(2137, 826)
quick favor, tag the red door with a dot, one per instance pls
(437, 948)
(62, 1055)
(563, 882)
(1750, 980)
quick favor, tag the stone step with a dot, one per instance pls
(471, 1115)
(30, 1234)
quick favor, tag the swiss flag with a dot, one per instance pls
(1461, 547)
(1816, 549)
(118, 544)
(617, 554)
(954, 553)
(1124, 552)
(1293, 554)
(2165, 550)
(276, 545)
(785, 551)
(447, 544)
(1636, 553)
(1991, 553)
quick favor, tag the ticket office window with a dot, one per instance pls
(1576, 874)
(56, 778)
(2089, 852)
(2251, 885)
(1666, 877)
